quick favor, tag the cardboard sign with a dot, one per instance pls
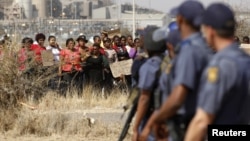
(47, 58)
(121, 68)
(246, 48)
(114, 32)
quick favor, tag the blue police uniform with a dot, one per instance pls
(225, 83)
(193, 57)
(150, 71)
(225, 89)
(166, 81)
(147, 72)
(148, 81)
(186, 69)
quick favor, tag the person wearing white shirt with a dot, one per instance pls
(54, 47)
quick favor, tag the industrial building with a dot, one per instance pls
(25, 9)
(32, 9)
(143, 17)
(74, 9)
(65, 18)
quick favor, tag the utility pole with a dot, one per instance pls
(133, 32)
(51, 9)
(75, 10)
(149, 1)
(118, 9)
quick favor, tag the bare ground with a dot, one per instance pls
(70, 119)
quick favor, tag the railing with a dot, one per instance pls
(62, 28)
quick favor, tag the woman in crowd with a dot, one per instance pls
(104, 34)
(55, 48)
(70, 67)
(82, 48)
(133, 49)
(84, 51)
(97, 40)
(23, 55)
(120, 48)
(122, 54)
(123, 41)
(129, 43)
(95, 65)
(110, 52)
(38, 48)
(112, 57)
(82, 41)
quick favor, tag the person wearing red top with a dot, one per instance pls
(84, 51)
(38, 48)
(81, 47)
(23, 53)
(70, 66)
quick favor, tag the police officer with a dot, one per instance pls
(183, 75)
(224, 95)
(173, 38)
(148, 78)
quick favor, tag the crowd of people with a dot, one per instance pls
(195, 75)
(79, 65)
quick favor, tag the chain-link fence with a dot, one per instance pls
(61, 28)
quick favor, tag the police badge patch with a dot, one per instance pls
(212, 74)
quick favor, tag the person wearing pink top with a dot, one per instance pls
(70, 67)
(23, 55)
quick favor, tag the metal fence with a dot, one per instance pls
(61, 28)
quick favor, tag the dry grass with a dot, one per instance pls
(53, 114)
(53, 101)
(29, 111)
(56, 115)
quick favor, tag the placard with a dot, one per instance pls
(47, 58)
(121, 68)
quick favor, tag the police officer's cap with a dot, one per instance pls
(218, 16)
(173, 25)
(162, 33)
(174, 37)
(190, 10)
(153, 42)
(143, 32)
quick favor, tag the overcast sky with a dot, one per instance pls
(166, 5)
